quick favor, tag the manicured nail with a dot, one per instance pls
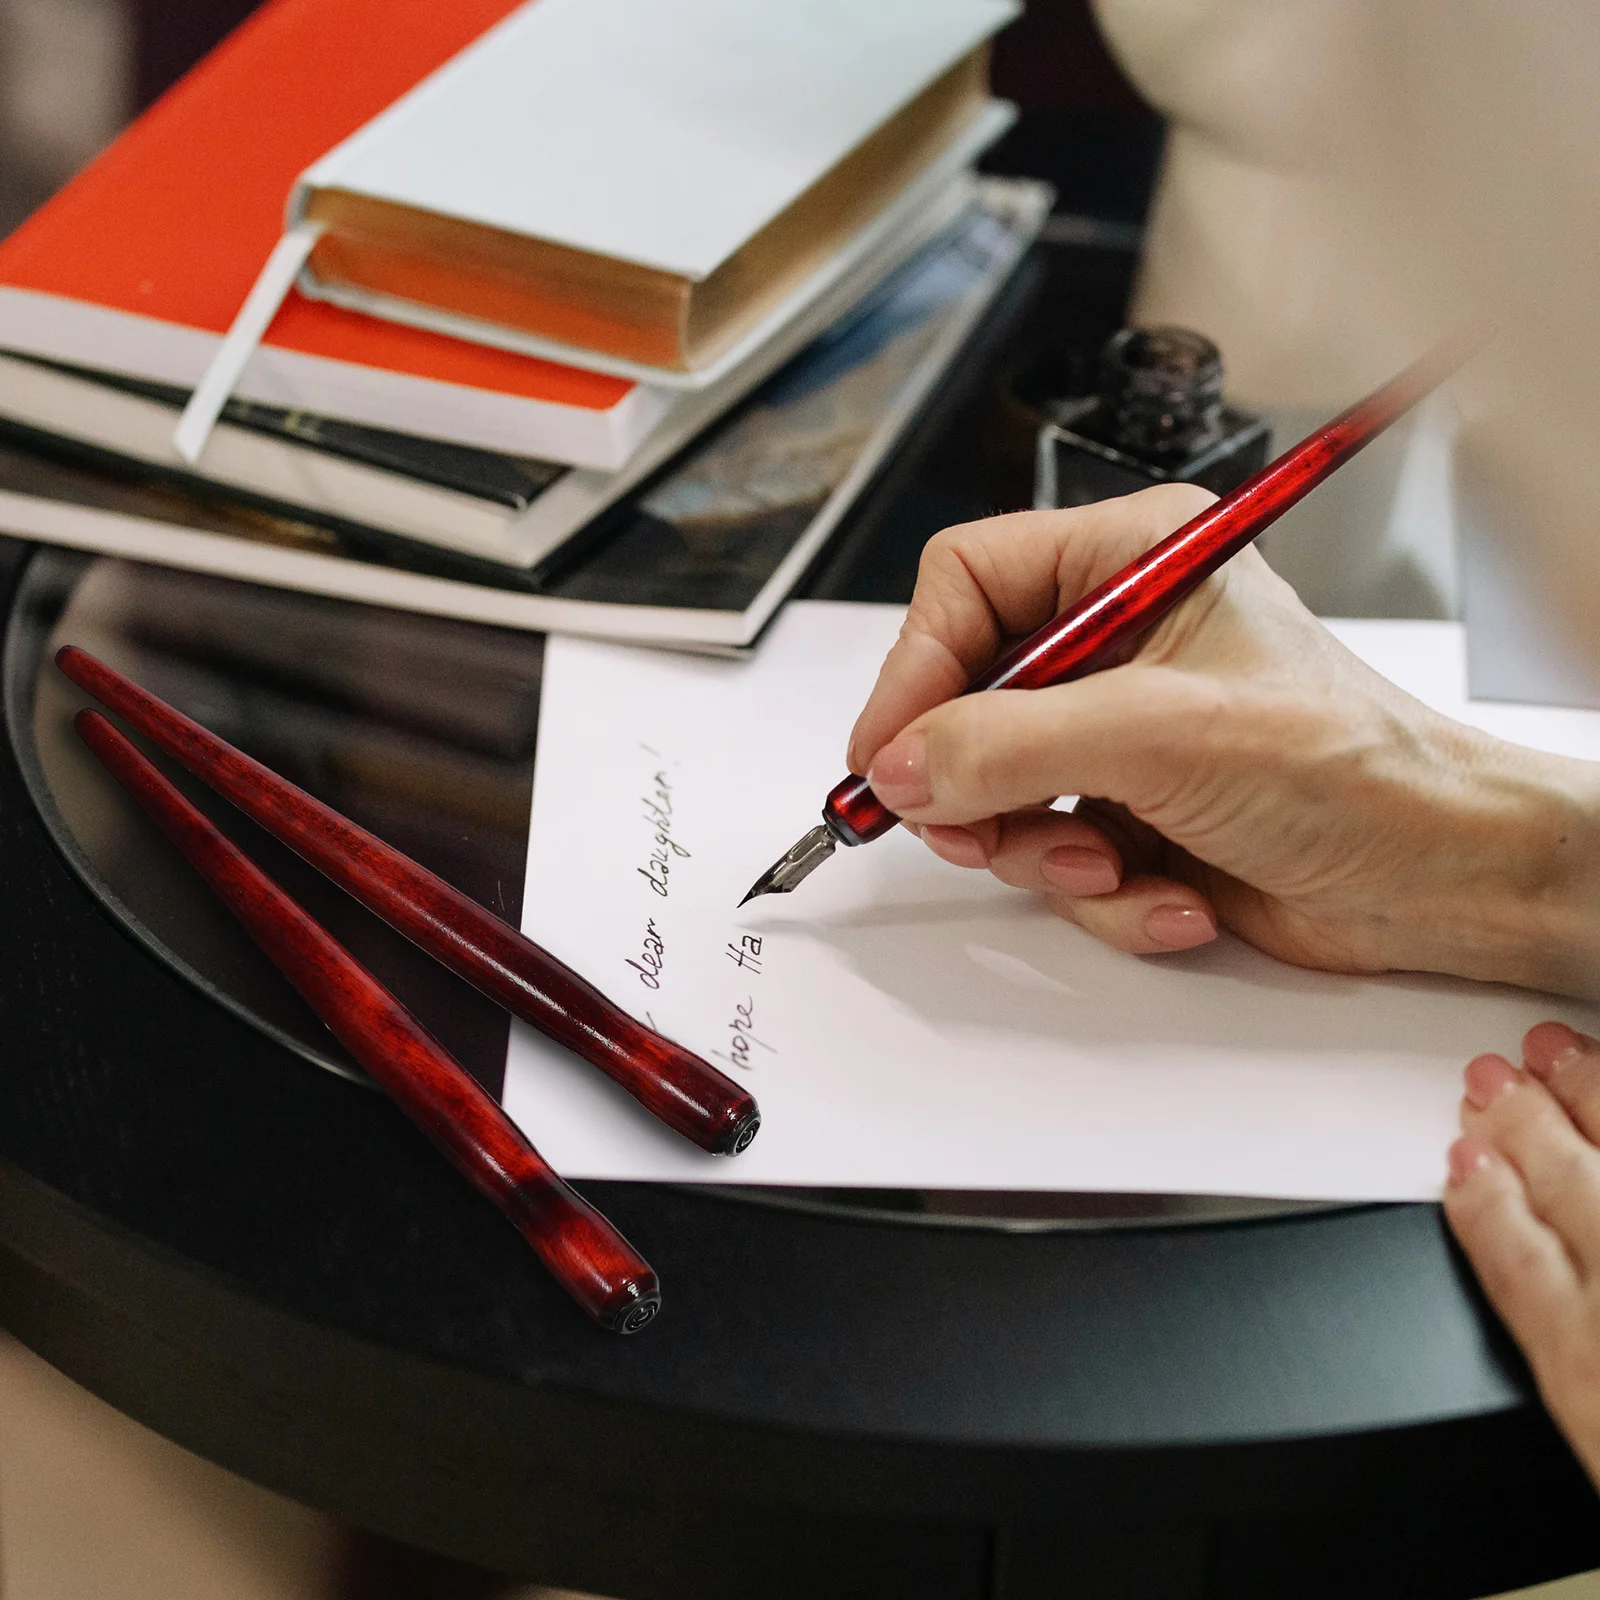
(899, 772)
(955, 845)
(1553, 1045)
(1467, 1156)
(1180, 927)
(1079, 870)
(1489, 1077)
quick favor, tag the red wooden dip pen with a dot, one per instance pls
(687, 1093)
(586, 1255)
(1093, 633)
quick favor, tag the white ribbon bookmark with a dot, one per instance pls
(255, 317)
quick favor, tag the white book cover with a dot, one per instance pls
(665, 133)
(993, 119)
(660, 132)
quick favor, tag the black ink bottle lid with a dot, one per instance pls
(1162, 391)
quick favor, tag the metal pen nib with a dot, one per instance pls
(796, 864)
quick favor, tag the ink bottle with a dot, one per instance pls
(1158, 417)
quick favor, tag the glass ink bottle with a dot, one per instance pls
(1159, 417)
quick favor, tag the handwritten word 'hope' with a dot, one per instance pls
(742, 1036)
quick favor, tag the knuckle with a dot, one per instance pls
(944, 572)
(1525, 1262)
(938, 595)
(1092, 919)
(1200, 709)
(1550, 1173)
(1065, 907)
(1513, 1269)
(1513, 1126)
(964, 544)
(1173, 504)
(937, 552)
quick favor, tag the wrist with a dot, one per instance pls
(1531, 912)
(1566, 914)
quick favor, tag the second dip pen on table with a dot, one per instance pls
(1092, 633)
(680, 1088)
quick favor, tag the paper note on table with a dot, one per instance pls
(911, 1024)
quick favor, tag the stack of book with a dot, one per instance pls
(604, 312)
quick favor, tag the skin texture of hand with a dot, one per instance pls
(1524, 1200)
(1242, 769)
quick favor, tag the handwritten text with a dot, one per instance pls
(652, 956)
(742, 1038)
(663, 847)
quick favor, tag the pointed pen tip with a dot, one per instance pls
(767, 883)
(795, 864)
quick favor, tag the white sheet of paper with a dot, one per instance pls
(911, 1024)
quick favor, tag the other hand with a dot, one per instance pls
(1524, 1200)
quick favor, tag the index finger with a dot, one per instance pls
(983, 583)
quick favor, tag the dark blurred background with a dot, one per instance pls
(73, 72)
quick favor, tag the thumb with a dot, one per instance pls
(1130, 735)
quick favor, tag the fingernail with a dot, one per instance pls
(1467, 1156)
(955, 845)
(1487, 1078)
(1553, 1045)
(899, 772)
(1180, 927)
(1079, 870)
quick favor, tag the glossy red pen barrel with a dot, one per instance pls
(684, 1091)
(586, 1255)
(1095, 631)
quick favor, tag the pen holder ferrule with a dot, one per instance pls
(854, 814)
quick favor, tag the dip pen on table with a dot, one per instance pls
(586, 1255)
(684, 1091)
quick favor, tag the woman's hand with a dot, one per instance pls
(1524, 1200)
(1243, 769)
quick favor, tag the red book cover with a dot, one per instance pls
(141, 262)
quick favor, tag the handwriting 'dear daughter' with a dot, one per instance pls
(658, 813)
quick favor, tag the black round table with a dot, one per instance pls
(261, 1259)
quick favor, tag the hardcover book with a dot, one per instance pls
(700, 555)
(646, 184)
